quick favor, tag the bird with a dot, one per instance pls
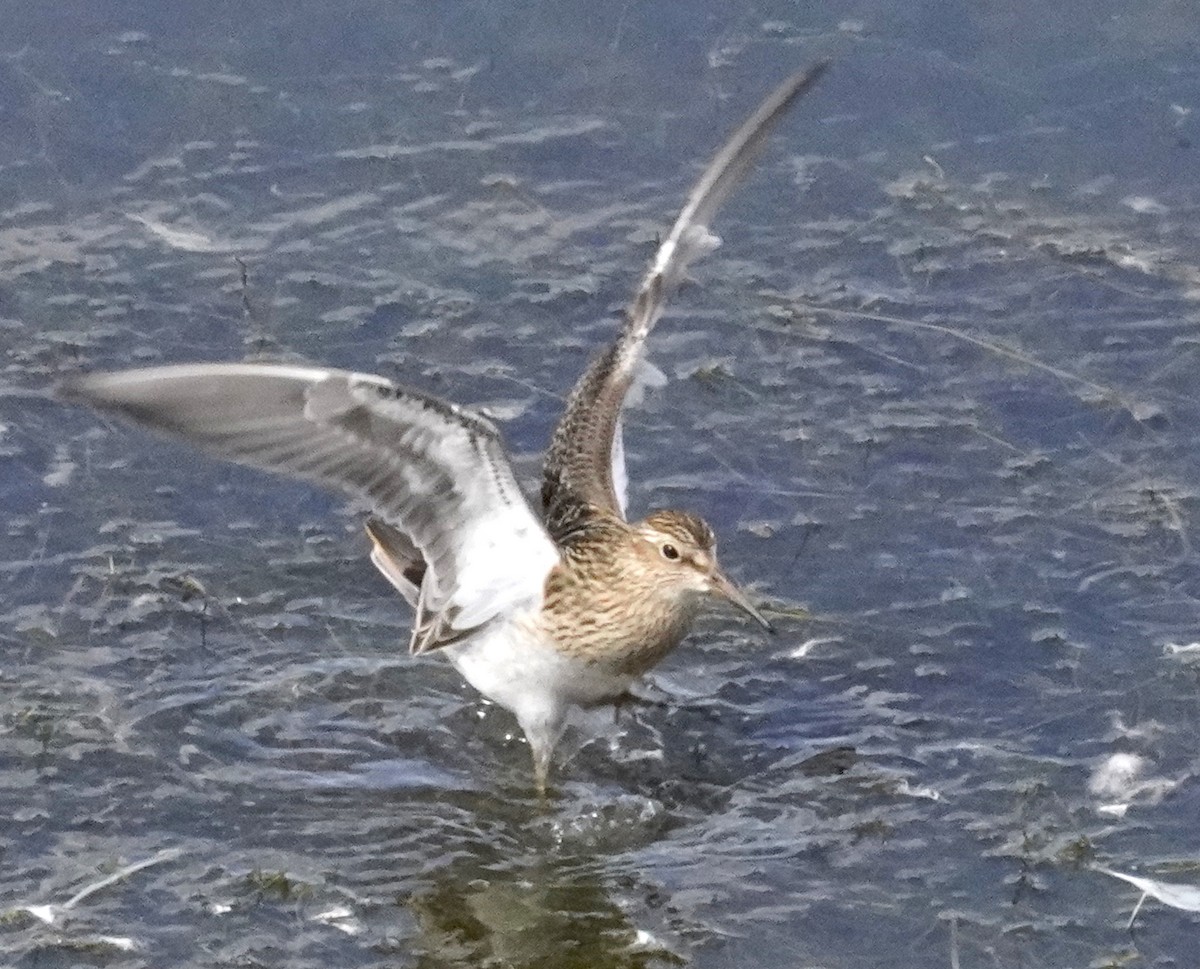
(544, 613)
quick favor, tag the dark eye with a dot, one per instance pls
(670, 552)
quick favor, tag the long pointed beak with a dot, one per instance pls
(723, 587)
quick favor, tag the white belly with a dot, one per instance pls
(514, 666)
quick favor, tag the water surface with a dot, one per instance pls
(936, 393)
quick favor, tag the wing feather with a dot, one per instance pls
(435, 473)
(585, 465)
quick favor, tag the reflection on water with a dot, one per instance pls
(935, 393)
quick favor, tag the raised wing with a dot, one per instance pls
(435, 473)
(585, 467)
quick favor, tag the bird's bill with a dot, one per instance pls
(723, 587)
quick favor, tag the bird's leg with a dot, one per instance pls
(625, 701)
(543, 728)
(541, 767)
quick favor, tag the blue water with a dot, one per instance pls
(935, 393)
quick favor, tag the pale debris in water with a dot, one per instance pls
(118, 942)
(1115, 775)
(1118, 779)
(178, 238)
(1185, 897)
(907, 789)
(51, 912)
(806, 647)
(1145, 205)
(61, 469)
(647, 942)
(340, 918)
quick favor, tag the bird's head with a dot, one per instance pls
(683, 551)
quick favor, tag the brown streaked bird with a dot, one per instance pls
(543, 614)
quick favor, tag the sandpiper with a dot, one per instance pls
(543, 614)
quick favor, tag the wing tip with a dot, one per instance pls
(816, 69)
(795, 86)
(90, 389)
(69, 390)
(806, 77)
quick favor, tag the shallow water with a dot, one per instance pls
(935, 393)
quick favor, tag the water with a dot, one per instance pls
(935, 393)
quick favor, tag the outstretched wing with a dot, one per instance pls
(435, 473)
(585, 467)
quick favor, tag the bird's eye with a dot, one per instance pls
(670, 552)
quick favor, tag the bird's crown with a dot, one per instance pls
(688, 529)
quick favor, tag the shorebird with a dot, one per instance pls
(542, 614)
